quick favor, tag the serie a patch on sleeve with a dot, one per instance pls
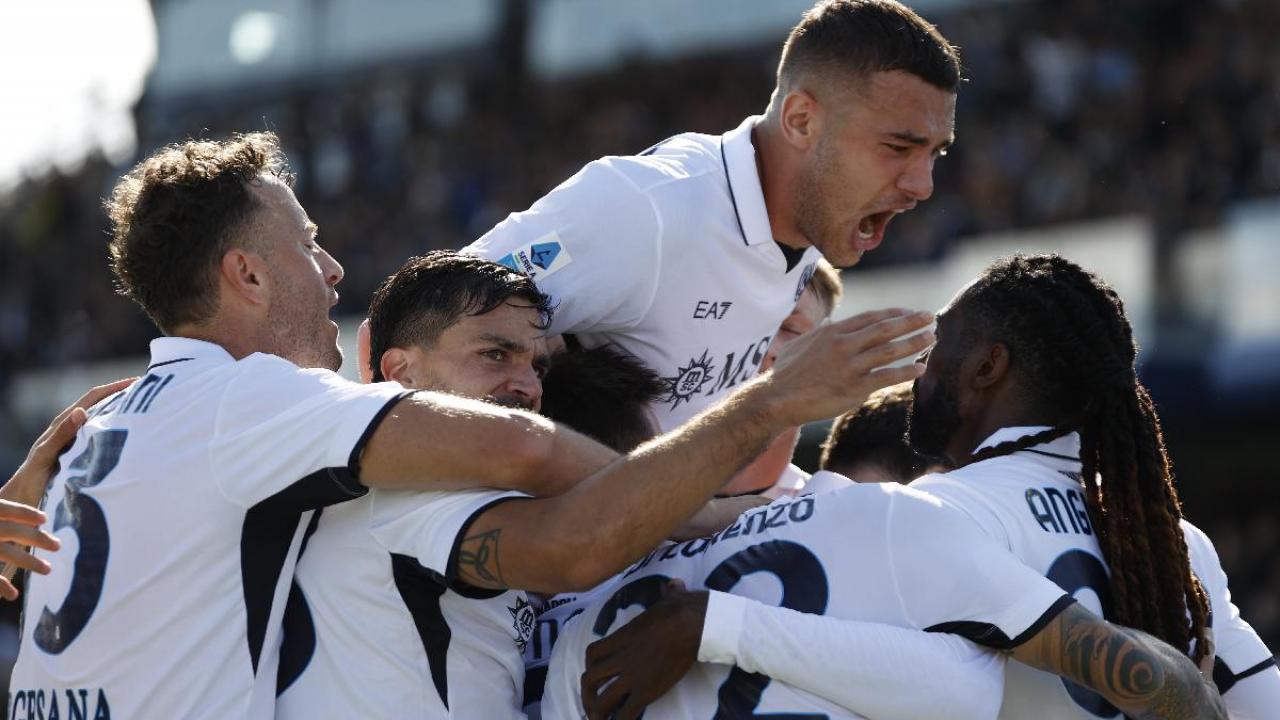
(540, 258)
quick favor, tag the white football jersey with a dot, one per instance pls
(553, 614)
(1032, 502)
(375, 630)
(667, 254)
(181, 507)
(877, 553)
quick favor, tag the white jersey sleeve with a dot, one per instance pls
(950, 577)
(876, 670)
(1244, 668)
(594, 244)
(429, 526)
(326, 418)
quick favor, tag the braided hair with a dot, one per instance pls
(1069, 340)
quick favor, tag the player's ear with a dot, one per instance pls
(397, 365)
(243, 273)
(364, 348)
(992, 367)
(801, 119)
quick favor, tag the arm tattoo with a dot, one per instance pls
(1134, 671)
(478, 560)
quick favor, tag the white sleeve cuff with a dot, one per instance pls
(722, 628)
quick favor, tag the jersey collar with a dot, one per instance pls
(1065, 449)
(166, 350)
(739, 157)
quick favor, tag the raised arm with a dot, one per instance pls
(580, 538)
(434, 441)
(1140, 675)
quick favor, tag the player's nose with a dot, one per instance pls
(333, 272)
(528, 387)
(916, 181)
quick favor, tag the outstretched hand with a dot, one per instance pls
(834, 368)
(646, 657)
(19, 519)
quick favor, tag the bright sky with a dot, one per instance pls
(70, 72)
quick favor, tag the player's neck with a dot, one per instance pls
(998, 419)
(237, 340)
(777, 176)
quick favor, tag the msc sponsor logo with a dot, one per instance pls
(688, 380)
(538, 259)
(709, 374)
(523, 620)
(805, 277)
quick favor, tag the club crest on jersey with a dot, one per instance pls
(539, 258)
(805, 277)
(523, 621)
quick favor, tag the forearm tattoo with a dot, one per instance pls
(478, 560)
(1133, 670)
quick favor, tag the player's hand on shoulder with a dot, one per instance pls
(20, 521)
(29, 482)
(622, 676)
(827, 371)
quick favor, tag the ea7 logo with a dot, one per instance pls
(710, 309)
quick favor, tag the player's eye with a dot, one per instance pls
(898, 149)
(495, 354)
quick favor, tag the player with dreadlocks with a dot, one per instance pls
(1031, 392)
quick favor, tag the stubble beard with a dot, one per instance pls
(812, 210)
(932, 424)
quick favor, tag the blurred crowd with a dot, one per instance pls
(1076, 110)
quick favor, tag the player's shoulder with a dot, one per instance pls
(956, 486)
(1195, 535)
(878, 497)
(681, 158)
(1200, 550)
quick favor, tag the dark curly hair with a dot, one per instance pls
(176, 214)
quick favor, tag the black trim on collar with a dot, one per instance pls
(168, 362)
(793, 256)
(724, 160)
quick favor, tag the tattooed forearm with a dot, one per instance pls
(478, 561)
(1135, 672)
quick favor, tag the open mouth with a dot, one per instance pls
(871, 230)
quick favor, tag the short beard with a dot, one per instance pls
(931, 425)
(809, 203)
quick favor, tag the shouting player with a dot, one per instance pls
(690, 254)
